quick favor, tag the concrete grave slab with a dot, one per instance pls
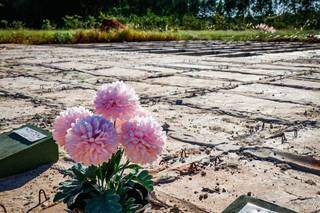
(279, 93)
(257, 107)
(188, 82)
(217, 100)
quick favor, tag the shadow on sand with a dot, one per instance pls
(16, 181)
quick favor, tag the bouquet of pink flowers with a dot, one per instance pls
(103, 181)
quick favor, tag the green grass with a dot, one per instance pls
(95, 36)
(80, 36)
(248, 35)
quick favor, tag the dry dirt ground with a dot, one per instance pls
(241, 118)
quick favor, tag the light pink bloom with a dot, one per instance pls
(142, 139)
(64, 121)
(116, 101)
(140, 112)
(92, 140)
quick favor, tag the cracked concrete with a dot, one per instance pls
(242, 117)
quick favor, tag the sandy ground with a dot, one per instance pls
(241, 117)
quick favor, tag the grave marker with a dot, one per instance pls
(247, 204)
(26, 148)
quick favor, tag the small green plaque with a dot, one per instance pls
(246, 204)
(26, 148)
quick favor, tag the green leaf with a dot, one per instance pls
(91, 173)
(112, 166)
(105, 203)
(84, 173)
(145, 179)
(116, 159)
(79, 172)
(134, 167)
(129, 205)
(68, 191)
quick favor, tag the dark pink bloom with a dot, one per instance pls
(65, 120)
(92, 140)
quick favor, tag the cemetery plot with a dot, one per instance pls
(151, 93)
(225, 75)
(282, 92)
(216, 187)
(216, 48)
(28, 85)
(305, 141)
(68, 97)
(257, 107)
(187, 82)
(238, 119)
(309, 82)
(15, 109)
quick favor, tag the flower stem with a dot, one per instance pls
(121, 173)
(100, 178)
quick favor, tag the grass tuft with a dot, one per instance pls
(247, 35)
(96, 36)
(81, 36)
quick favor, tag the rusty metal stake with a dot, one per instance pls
(217, 160)
(295, 132)
(4, 208)
(283, 138)
(41, 191)
(183, 153)
(161, 162)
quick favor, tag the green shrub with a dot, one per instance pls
(150, 21)
(73, 22)
(47, 25)
(4, 24)
(219, 22)
(90, 22)
(191, 22)
(17, 25)
(62, 37)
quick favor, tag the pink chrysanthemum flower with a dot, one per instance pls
(142, 139)
(92, 140)
(140, 112)
(116, 101)
(65, 120)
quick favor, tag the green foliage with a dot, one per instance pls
(219, 22)
(110, 187)
(90, 22)
(4, 24)
(17, 25)
(79, 22)
(46, 25)
(150, 21)
(80, 36)
(95, 36)
(105, 203)
(73, 22)
(62, 38)
(144, 179)
(163, 14)
(191, 22)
